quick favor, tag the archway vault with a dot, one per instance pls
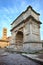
(19, 38)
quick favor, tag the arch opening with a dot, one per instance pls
(19, 38)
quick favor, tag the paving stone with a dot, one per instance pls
(15, 59)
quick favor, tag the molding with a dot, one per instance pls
(33, 42)
(36, 33)
(28, 18)
(25, 12)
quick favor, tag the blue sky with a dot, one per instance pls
(10, 9)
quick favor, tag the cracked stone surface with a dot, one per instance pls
(15, 59)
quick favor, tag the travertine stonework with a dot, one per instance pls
(26, 30)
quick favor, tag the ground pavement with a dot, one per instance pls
(7, 58)
(15, 59)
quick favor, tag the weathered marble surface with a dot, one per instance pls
(29, 27)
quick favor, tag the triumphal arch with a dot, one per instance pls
(26, 31)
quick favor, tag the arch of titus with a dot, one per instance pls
(26, 31)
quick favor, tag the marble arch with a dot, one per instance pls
(28, 22)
